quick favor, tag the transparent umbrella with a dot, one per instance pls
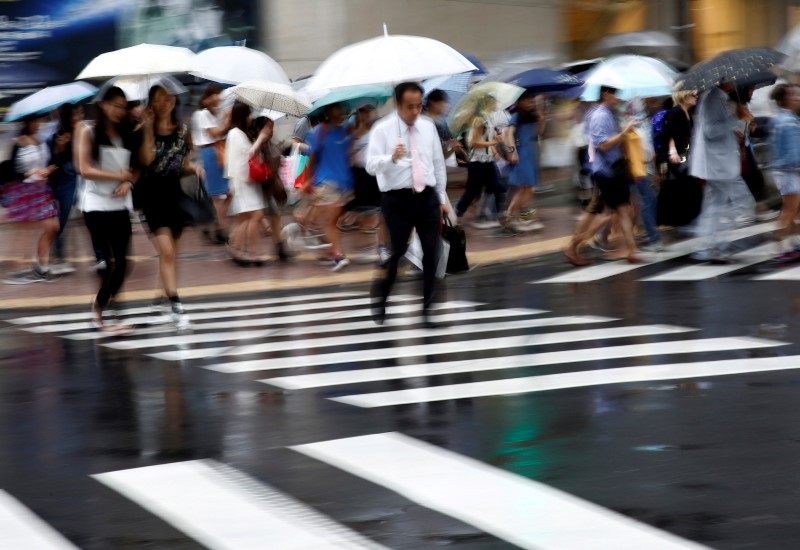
(137, 88)
(481, 100)
(632, 75)
(261, 94)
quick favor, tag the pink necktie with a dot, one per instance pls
(417, 179)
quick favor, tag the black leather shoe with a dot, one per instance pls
(378, 304)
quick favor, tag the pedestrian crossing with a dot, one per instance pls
(765, 253)
(315, 342)
(224, 507)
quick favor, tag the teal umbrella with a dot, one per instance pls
(353, 97)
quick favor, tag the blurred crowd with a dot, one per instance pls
(685, 164)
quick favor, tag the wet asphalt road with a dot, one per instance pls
(710, 459)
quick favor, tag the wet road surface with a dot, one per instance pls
(290, 421)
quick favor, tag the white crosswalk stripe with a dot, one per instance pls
(360, 337)
(519, 510)
(444, 348)
(304, 381)
(707, 271)
(21, 529)
(606, 270)
(226, 509)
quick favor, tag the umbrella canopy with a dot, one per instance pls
(48, 99)
(137, 88)
(479, 67)
(546, 80)
(481, 100)
(354, 97)
(636, 42)
(261, 94)
(790, 45)
(388, 60)
(144, 59)
(632, 75)
(732, 66)
(236, 64)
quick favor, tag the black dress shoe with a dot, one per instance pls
(378, 303)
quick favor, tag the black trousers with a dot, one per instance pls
(480, 176)
(111, 231)
(404, 210)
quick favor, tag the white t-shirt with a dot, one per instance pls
(201, 122)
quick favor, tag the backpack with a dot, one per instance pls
(8, 168)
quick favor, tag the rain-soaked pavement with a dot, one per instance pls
(703, 449)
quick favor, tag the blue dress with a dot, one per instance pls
(526, 172)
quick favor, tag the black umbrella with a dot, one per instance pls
(734, 66)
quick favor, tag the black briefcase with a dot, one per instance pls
(455, 236)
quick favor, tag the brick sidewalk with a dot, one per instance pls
(205, 269)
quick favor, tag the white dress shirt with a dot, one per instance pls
(384, 138)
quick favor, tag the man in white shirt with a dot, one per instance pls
(405, 154)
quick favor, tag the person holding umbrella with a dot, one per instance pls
(405, 154)
(715, 158)
(165, 155)
(208, 133)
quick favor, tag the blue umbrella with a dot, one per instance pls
(545, 80)
(48, 99)
(472, 59)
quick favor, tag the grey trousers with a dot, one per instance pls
(723, 202)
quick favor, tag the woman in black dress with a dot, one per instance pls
(165, 157)
(681, 195)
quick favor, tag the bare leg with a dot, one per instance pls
(166, 245)
(50, 229)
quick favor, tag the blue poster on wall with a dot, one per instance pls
(45, 42)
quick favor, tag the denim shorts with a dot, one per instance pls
(787, 182)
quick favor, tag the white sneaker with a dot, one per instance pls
(340, 263)
(384, 255)
(178, 317)
(62, 268)
(534, 225)
(485, 224)
(99, 266)
(767, 215)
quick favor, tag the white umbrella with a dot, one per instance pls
(137, 88)
(261, 94)
(236, 64)
(632, 75)
(49, 98)
(388, 60)
(144, 59)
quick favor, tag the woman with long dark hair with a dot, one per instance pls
(165, 157)
(274, 192)
(30, 199)
(105, 161)
(247, 203)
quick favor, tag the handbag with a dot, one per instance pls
(457, 238)
(259, 171)
(195, 204)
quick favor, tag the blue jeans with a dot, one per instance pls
(643, 187)
(63, 185)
